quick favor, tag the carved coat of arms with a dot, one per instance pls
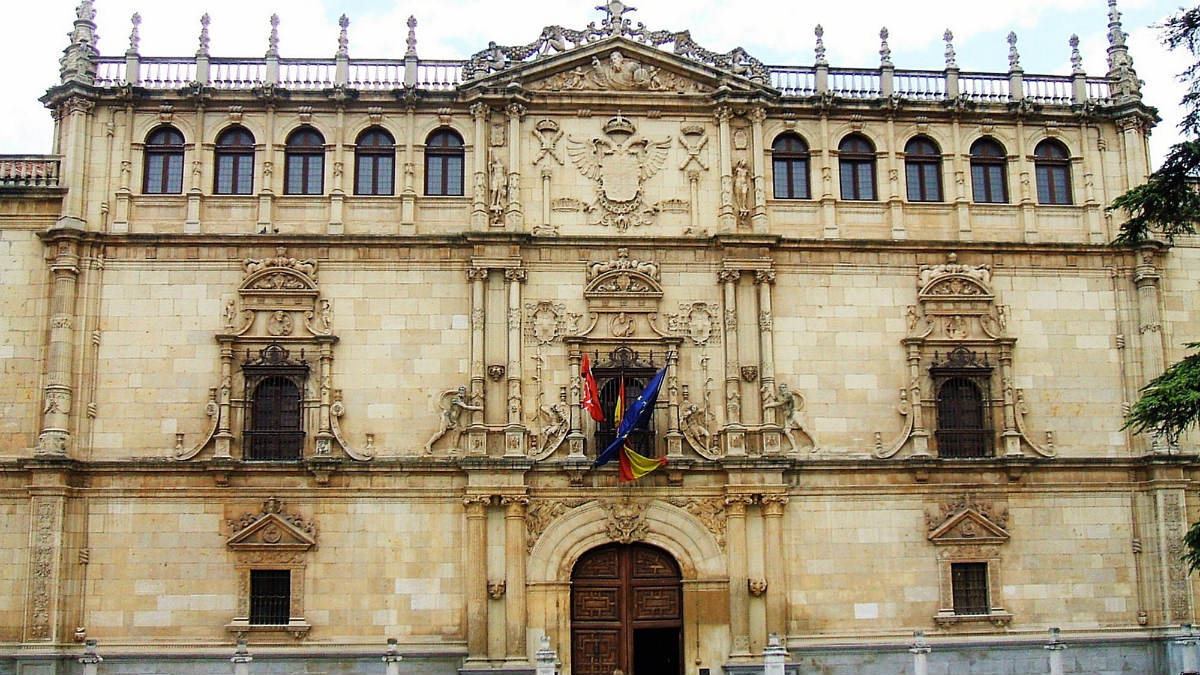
(619, 162)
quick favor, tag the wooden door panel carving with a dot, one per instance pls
(620, 592)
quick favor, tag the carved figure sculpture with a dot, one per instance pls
(452, 404)
(556, 424)
(791, 409)
(497, 185)
(742, 189)
(693, 423)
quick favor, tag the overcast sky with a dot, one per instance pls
(33, 34)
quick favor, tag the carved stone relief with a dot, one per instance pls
(43, 567)
(617, 72)
(619, 161)
(709, 511)
(626, 520)
(699, 321)
(541, 512)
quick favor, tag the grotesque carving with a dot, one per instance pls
(626, 521)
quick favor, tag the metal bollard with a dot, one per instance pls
(392, 658)
(775, 656)
(241, 658)
(1056, 652)
(920, 651)
(90, 659)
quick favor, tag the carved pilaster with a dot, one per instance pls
(773, 564)
(513, 216)
(725, 216)
(739, 597)
(515, 438)
(45, 568)
(758, 218)
(514, 572)
(477, 599)
(58, 393)
(479, 214)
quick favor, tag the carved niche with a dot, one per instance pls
(273, 539)
(958, 330)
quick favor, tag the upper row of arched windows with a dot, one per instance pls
(922, 170)
(304, 162)
(375, 161)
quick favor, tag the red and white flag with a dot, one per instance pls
(591, 395)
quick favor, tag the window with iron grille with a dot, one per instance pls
(641, 440)
(270, 597)
(274, 405)
(969, 583)
(963, 419)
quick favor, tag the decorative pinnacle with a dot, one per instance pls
(1076, 58)
(1014, 59)
(949, 38)
(819, 31)
(343, 49)
(1116, 36)
(204, 21)
(885, 52)
(273, 40)
(136, 20)
(412, 38)
(87, 12)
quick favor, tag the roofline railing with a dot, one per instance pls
(29, 171)
(299, 74)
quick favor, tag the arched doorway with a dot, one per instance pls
(626, 612)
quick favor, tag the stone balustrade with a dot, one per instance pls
(29, 171)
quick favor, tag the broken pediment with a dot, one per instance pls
(272, 528)
(968, 526)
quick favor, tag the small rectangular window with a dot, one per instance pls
(969, 582)
(270, 597)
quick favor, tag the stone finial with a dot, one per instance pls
(1120, 63)
(78, 61)
(1014, 59)
(343, 49)
(949, 38)
(885, 52)
(1076, 58)
(273, 39)
(819, 31)
(1116, 36)
(134, 39)
(412, 38)
(204, 40)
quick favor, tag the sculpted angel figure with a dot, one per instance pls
(452, 404)
(791, 412)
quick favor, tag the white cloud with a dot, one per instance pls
(777, 31)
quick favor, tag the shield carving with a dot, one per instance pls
(620, 175)
(701, 324)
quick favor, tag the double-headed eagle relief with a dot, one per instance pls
(619, 162)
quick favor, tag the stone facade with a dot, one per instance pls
(618, 201)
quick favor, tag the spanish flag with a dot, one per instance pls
(631, 464)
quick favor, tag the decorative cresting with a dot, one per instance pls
(555, 39)
(957, 327)
(621, 290)
(275, 539)
(969, 530)
(281, 312)
(619, 161)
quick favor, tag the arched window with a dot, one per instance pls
(164, 162)
(856, 162)
(305, 166)
(444, 163)
(789, 156)
(923, 170)
(1052, 164)
(374, 163)
(234, 157)
(962, 420)
(275, 430)
(989, 177)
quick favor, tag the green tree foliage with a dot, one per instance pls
(1170, 404)
(1169, 201)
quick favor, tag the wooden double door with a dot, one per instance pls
(626, 612)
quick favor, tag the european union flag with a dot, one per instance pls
(637, 416)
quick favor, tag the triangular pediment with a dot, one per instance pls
(272, 528)
(615, 64)
(968, 526)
